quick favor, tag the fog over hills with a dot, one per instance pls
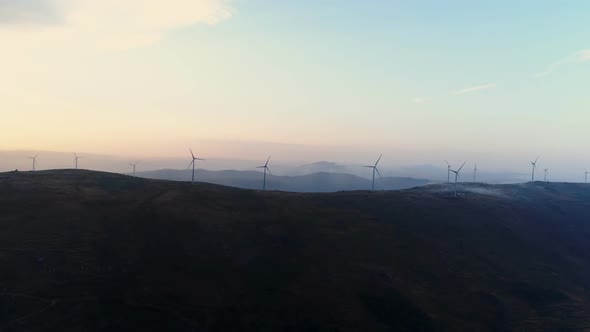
(94, 251)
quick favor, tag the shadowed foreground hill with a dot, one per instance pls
(95, 251)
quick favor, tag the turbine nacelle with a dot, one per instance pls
(266, 170)
(193, 163)
(375, 170)
(457, 174)
(534, 164)
(34, 159)
(460, 168)
(265, 166)
(76, 158)
(134, 165)
(195, 159)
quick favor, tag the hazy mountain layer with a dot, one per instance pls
(316, 182)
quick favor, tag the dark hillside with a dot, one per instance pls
(88, 251)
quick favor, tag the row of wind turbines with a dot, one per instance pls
(193, 164)
(76, 159)
(194, 160)
(266, 169)
(533, 163)
(34, 160)
(374, 168)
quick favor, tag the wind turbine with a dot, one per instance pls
(546, 169)
(534, 163)
(76, 157)
(134, 165)
(475, 173)
(266, 169)
(457, 176)
(586, 178)
(193, 163)
(448, 172)
(34, 159)
(375, 169)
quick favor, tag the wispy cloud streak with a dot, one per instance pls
(472, 89)
(420, 100)
(578, 57)
(475, 89)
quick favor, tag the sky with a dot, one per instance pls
(498, 82)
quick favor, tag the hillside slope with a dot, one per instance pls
(96, 251)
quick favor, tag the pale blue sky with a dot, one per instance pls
(468, 79)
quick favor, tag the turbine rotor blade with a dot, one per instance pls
(268, 170)
(378, 172)
(459, 170)
(378, 160)
(192, 154)
(267, 161)
(190, 164)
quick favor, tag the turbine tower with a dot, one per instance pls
(546, 169)
(475, 173)
(457, 176)
(586, 174)
(134, 165)
(193, 163)
(448, 172)
(534, 163)
(266, 169)
(34, 159)
(375, 169)
(76, 157)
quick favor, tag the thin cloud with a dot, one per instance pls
(27, 12)
(475, 88)
(420, 100)
(582, 56)
(472, 89)
(578, 57)
(110, 24)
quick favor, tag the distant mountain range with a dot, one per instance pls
(48, 160)
(315, 182)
